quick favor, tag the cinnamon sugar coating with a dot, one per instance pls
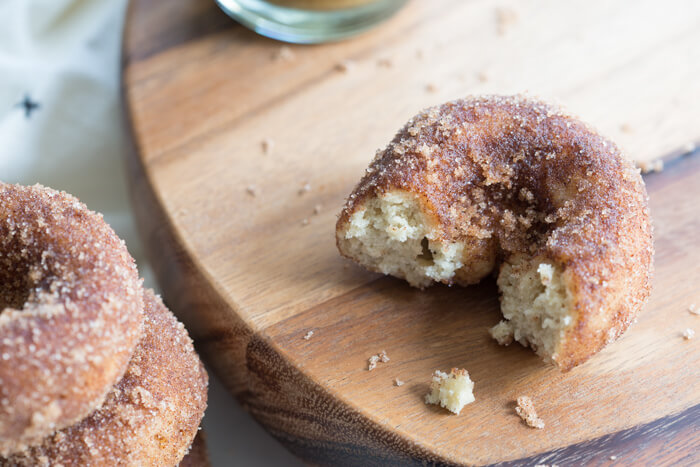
(149, 418)
(513, 180)
(71, 312)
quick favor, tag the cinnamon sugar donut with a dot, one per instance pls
(70, 312)
(512, 185)
(150, 417)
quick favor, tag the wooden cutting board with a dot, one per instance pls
(246, 256)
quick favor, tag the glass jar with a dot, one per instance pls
(309, 21)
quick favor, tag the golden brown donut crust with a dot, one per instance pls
(70, 312)
(150, 417)
(508, 176)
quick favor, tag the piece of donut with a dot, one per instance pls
(513, 185)
(71, 312)
(151, 416)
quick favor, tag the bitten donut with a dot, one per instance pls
(151, 416)
(512, 185)
(71, 312)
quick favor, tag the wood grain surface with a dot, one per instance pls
(245, 261)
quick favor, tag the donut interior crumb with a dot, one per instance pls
(452, 391)
(526, 410)
(391, 235)
(688, 334)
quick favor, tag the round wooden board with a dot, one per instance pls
(245, 255)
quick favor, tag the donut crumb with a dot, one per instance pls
(305, 188)
(373, 360)
(344, 66)
(267, 145)
(526, 410)
(650, 166)
(452, 391)
(385, 62)
(283, 54)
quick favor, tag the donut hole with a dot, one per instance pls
(536, 305)
(390, 234)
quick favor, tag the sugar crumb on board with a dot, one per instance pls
(283, 54)
(612, 458)
(317, 209)
(305, 188)
(372, 362)
(344, 66)
(252, 190)
(381, 357)
(526, 411)
(398, 382)
(308, 335)
(267, 145)
(304, 222)
(688, 334)
(693, 309)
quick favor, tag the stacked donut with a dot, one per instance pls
(94, 370)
